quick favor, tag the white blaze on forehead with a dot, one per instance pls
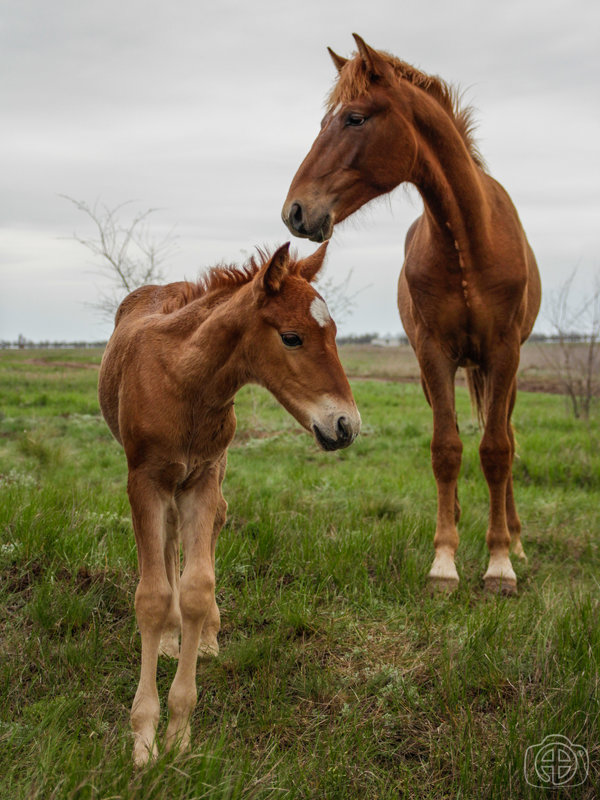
(336, 110)
(320, 312)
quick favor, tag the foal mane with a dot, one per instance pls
(354, 81)
(222, 278)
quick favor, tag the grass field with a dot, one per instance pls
(339, 676)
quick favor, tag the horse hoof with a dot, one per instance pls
(500, 585)
(519, 552)
(441, 585)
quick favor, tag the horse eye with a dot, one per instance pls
(291, 339)
(355, 120)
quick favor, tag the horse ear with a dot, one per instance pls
(271, 276)
(373, 61)
(337, 60)
(309, 267)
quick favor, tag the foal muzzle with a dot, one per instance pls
(345, 431)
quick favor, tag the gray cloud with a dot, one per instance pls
(206, 110)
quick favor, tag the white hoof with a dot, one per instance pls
(439, 585)
(443, 576)
(500, 577)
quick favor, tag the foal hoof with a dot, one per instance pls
(440, 585)
(143, 754)
(500, 585)
(208, 650)
(169, 644)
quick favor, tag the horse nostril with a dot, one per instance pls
(296, 215)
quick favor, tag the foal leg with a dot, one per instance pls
(512, 518)
(152, 602)
(209, 646)
(496, 453)
(169, 642)
(198, 507)
(438, 374)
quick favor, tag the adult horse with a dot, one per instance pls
(169, 375)
(469, 291)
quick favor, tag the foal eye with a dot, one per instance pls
(291, 340)
(355, 120)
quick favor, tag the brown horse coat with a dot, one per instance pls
(469, 291)
(177, 357)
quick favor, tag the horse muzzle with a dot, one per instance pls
(338, 434)
(316, 227)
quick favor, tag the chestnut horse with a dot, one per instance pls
(469, 291)
(177, 357)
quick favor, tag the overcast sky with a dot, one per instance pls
(205, 110)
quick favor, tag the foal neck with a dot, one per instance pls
(210, 352)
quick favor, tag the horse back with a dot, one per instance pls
(154, 299)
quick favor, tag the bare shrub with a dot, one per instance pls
(125, 252)
(576, 333)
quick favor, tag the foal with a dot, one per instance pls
(177, 357)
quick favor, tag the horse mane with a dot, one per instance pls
(220, 278)
(354, 81)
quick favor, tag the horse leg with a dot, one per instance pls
(457, 509)
(512, 517)
(438, 375)
(152, 602)
(209, 646)
(169, 642)
(496, 452)
(197, 507)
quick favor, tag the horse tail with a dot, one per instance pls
(476, 384)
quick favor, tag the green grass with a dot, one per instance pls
(339, 676)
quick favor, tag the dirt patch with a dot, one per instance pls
(546, 386)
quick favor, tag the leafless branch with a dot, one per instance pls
(124, 253)
(576, 331)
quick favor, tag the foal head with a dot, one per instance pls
(369, 139)
(291, 349)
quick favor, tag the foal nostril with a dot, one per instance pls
(343, 429)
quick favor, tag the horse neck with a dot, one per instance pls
(451, 185)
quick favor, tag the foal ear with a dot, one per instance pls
(373, 61)
(337, 60)
(309, 267)
(271, 276)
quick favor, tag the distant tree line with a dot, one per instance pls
(22, 343)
